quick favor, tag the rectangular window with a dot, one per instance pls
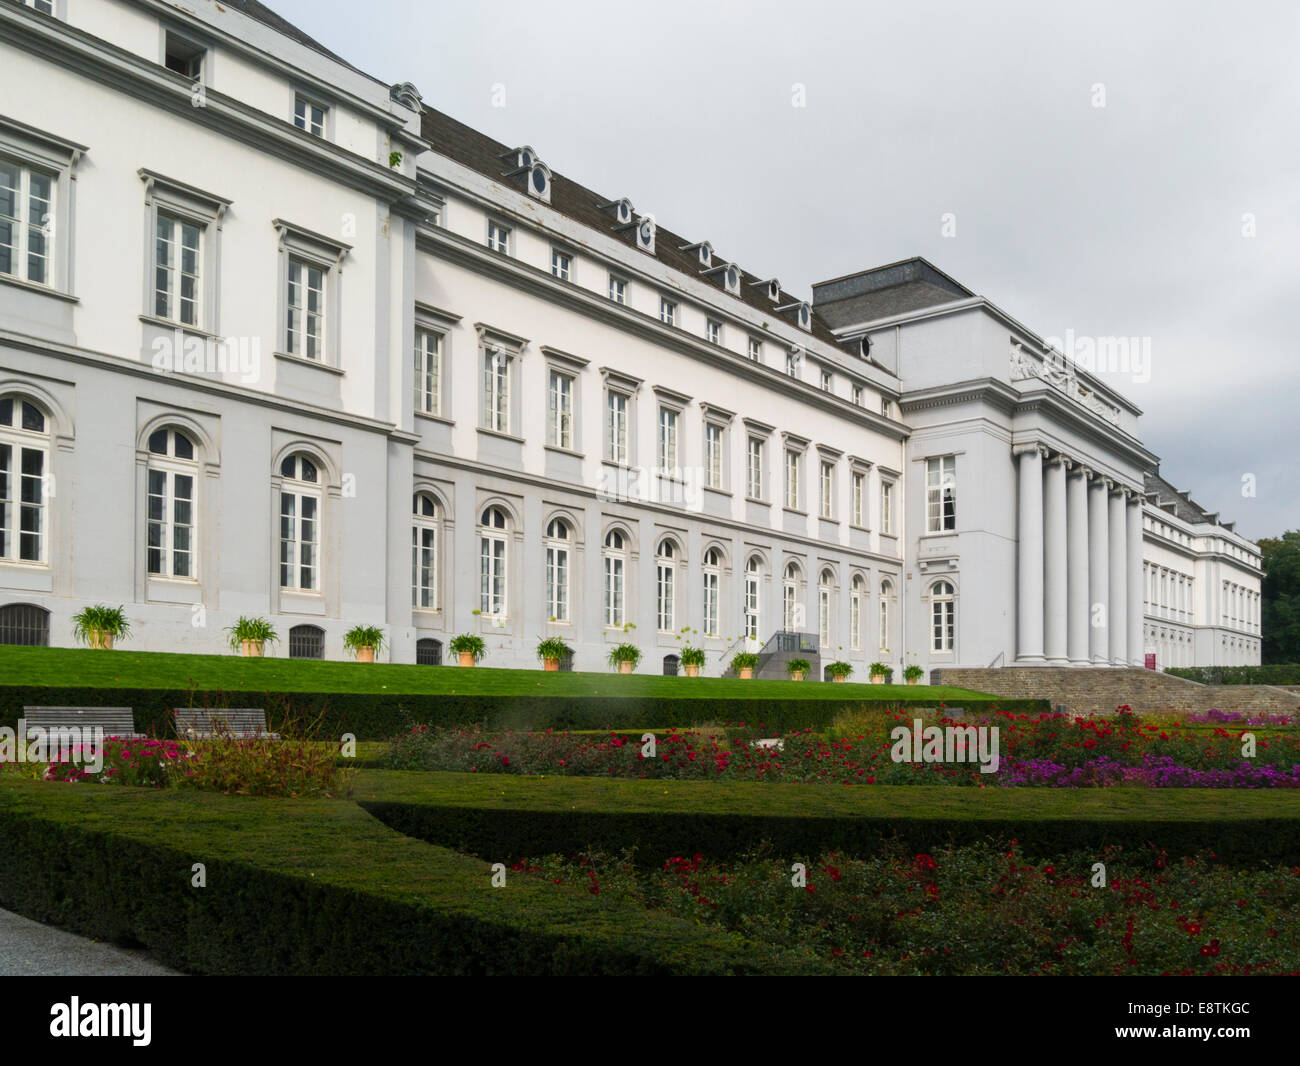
(22, 502)
(561, 265)
(617, 290)
(176, 270)
(828, 490)
(170, 503)
(755, 349)
(711, 600)
(792, 364)
(498, 238)
(560, 410)
(496, 391)
(940, 494)
(305, 305)
(557, 582)
(754, 469)
(667, 311)
(428, 372)
(667, 453)
(860, 500)
(424, 567)
(828, 381)
(884, 621)
(309, 116)
(713, 332)
(299, 521)
(858, 396)
(614, 591)
(183, 57)
(751, 606)
(26, 222)
(665, 596)
(616, 449)
(887, 507)
(792, 480)
(855, 621)
(824, 616)
(492, 576)
(884, 406)
(713, 465)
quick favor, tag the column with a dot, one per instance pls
(1076, 508)
(1098, 566)
(1029, 612)
(1136, 645)
(1055, 534)
(1118, 613)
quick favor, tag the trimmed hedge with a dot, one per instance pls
(484, 815)
(378, 717)
(1272, 674)
(319, 888)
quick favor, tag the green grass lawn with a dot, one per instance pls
(123, 668)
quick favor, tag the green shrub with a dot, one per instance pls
(553, 648)
(91, 623)
(798, 666)
(1270, 674)
(468, 642)
(359, 637)
(257, 630)
(841, 669)
(692, 656)
(624, 653)
(744, 660)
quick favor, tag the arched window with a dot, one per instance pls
(857, 602)
(306, 642)
(424, 552)
(886, 594)
(712, 590)
(942, 613)
(791, 616)
(753, 575)
(615, 558)
(665, 585)
(24, 623)
(825, 589)
(428, 652)
(300, 505)
(24, 465)
(558, 539)
(492, 577)
(171, 480)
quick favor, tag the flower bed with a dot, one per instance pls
(976, 910)
(252, 766)
(1046, 750)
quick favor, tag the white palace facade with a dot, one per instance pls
(279, 340)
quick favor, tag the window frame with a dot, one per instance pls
(562, 263)
(21, 441)
(614, 566)
(317, 251)
(668, 311)
(617, 290)
(558, 558)
(30, 149)
(299, 490)
(941, 494)
(184, 205)
(497, 227)
(426, 527)
(171, 467)
(327, 113)
(494, 565)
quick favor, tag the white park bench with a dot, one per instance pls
(114, 721)
(202, 722)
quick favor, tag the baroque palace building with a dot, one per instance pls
(278, 339)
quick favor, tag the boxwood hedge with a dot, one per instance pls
(376, 717)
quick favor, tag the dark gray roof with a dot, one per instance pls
(894, 289)
(267, 17)
(1184, 507)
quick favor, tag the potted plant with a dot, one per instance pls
(551, 651)
(625, 657)
(798, 669)
(840, 670)
(913, 674)
(878, 672)
(743, 662)
(364, 641)
(98, 626)
(692, 660)
(468, 648)
(249, 636)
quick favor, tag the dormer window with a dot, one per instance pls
(537, 175)
(620, 209)
(802, 314)
(645, 235)
(771, 286)
(703, 252)
(864, 347)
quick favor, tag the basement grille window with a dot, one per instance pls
(25, 624)
(306, 642)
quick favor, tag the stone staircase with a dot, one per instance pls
(780, 648)
(1099, 690)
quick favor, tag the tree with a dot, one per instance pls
(1280, 597)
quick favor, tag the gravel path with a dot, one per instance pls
(29, 948)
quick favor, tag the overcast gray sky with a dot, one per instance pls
(1119, 220)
